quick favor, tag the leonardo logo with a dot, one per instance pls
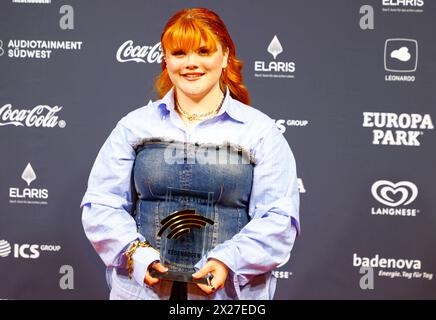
(5, 248)
(394, 195)
(401, 129)
(28, 195)
(274, 69)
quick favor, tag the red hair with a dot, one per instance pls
(185, 30)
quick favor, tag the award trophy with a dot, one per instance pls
(185, 235)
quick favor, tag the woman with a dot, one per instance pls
(203, 106)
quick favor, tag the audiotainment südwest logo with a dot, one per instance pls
(394, 129)
(38, 49)
(18, 195)
(274, 69)
(395, 197)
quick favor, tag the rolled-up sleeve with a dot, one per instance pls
(267, 240)
(107, 203)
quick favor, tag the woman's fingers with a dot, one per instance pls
(149, 279)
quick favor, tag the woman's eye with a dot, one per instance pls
(178, 53)
(204, 51)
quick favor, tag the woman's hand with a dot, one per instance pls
(219, 271)
(156, 265)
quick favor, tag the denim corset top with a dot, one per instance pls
(224, 172)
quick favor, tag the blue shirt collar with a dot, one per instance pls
(229, 105)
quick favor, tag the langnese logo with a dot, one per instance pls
(400, 56)
(282, 124)
(274, 69)
(401, 268)
(128, 52)
(25, 250)
(28, 195)
(39, 49)
(397, 129)
(40, 116)
(394, 197)
(403, 6)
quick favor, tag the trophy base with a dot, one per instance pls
(180, 276)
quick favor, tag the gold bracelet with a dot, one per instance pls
(131, 250)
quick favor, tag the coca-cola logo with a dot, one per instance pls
(40, 116)
(146, 54)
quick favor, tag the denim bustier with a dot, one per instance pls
(224, 170)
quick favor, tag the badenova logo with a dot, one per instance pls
(274, 69)
(28, 195)
(403, 6)
(25, 250)
(398, 268)
(400, 56)
(395, 197)
(128, 52)
(40, 116)
(397, 129)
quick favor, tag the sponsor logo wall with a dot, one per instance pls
(357, 112)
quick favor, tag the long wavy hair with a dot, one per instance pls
(184, 31)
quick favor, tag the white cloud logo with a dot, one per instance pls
(382, 190)
(275, 48)
(28, 174)
(5, 248)
(401, 54)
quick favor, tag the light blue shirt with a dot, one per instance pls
(263, 244)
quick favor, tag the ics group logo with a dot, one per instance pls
(282, 124)
(400, 56)
(25, 250)
(274, 69)
(394, 129)
(128, 52)
(28, 195)
(5, 248)
(395, 197)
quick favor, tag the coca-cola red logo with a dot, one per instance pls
(146, 54)
(39, 116)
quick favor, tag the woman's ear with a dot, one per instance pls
(225, 58)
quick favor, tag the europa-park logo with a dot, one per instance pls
(392, 129)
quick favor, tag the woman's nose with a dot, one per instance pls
(191, 60)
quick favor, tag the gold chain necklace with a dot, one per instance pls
(200, 116)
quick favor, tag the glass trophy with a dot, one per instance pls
(186, 232)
